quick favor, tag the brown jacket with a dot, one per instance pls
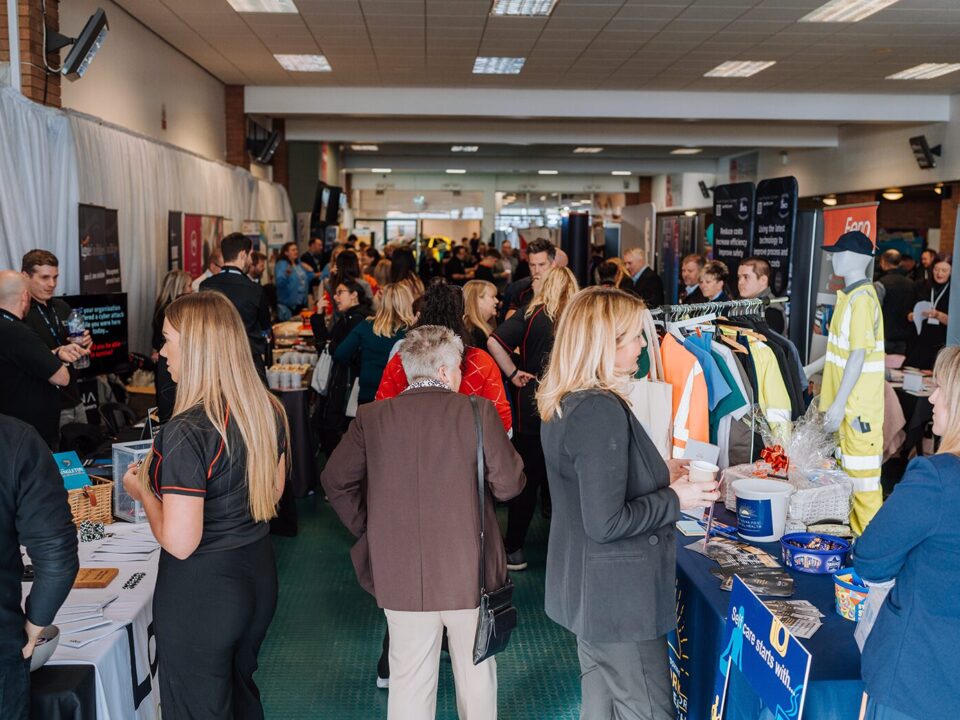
(404, 482)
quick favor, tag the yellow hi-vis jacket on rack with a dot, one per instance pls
(857, 324)
(772, 395)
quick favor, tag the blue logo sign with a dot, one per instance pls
(770, 659)
(72, 470)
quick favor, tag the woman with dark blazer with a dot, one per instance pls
(611, 557)
(353, 307)
(913, 539)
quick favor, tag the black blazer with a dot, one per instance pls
(250, 301)
(611, 557)
(649, 286)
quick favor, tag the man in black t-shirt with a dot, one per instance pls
(455, 270)
(47, 317)
(247, 296)
(29, 372)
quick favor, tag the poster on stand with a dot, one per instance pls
(733, 220)
(105, 315)
(257, 232)
(278, 234)
(303, 229)
(668, 262)
(211, 230)
(174, 240)
(193, 260)
(760, 652)
(99, 250)
(776, 221)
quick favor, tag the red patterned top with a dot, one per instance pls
(481, 377)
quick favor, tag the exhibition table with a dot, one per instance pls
(63, 692)
(303, 473)
(834, 689)
(124, 659)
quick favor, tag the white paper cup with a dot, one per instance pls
(273, 379)
(701, 471)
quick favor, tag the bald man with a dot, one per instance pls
(646, 283)
(30, 374)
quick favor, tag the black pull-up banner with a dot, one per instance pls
(776, 225)
(733, 207)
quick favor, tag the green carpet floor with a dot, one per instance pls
(319, 658)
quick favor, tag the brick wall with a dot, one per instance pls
(910, 213)
(948, 218)
(236, 124)
(4, 34)
(36, 83)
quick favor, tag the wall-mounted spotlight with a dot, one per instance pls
(925, 155)
(85, 45)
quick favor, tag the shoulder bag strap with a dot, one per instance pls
(480, 488)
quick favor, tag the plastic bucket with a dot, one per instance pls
(761, 508)
(849, 594)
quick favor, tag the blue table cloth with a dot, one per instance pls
(834, 687)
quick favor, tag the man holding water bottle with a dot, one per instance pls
(51, 319)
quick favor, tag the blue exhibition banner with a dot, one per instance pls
(768, 657)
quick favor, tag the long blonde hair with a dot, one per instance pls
(174, 284)
(595, 323)
(472, 292)
(559, 286)
(946, 374)
(217, 372)
(395, 310)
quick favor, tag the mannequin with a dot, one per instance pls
(853, 367)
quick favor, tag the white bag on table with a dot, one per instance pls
(354, 400)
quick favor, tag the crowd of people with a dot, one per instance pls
(429, 357)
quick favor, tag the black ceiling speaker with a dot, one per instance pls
(704, 190)
(926, 156)
(85, 45)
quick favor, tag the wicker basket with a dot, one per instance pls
(827, 499)
(92, 502)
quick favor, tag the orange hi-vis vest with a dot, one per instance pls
(690, 412)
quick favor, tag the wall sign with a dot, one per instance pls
(758, 647)
(775, 228)
(733, 221)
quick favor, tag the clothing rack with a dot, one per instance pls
(731, 308)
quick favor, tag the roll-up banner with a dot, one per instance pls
(775, 227)
(174, 240)
(99, 250)
(733, 220)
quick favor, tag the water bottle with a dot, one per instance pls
(76, 327)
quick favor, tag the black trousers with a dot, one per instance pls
(625, 681)
(211, 613)
(520, 509)
(14, 687)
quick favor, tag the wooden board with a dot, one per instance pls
(89, 578)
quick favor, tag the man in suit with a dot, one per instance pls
(246, 295)
(646, 283)
(898, 295)
(690, 277)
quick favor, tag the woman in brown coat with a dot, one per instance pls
(415, 512)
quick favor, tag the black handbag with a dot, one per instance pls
(498, 616)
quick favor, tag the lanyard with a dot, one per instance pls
(935, 302)
(235, 271)
(8, 316)
(54, 327)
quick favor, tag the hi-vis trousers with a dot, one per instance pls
(861, 454)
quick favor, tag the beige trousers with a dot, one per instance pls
(415, 639)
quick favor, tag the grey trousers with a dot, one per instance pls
(625, 681)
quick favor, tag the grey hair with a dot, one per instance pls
(428, 348)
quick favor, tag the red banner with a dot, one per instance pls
(838, 220)
(193, 245)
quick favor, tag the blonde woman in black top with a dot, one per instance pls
(209, 487)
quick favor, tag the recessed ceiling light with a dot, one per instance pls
(893, 194)
(739, 68)
(587, 150)
(365, 148)
(304, 63)
(938, 188)
(456, 171)
(381, 170)
(523, 8)
(498, 65)
(690, 213)
(686, 151)
(464, 148)
(830, 200)
(263, 6)
(620, 172)
(548, 172)
(846, 10)
(926, 71)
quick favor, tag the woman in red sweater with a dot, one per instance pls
(443, 305)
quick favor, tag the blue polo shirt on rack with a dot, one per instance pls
(717, 388)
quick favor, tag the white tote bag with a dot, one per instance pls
(652, 404)
(321, 373)
(354, 400)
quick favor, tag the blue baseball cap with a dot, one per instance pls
(853, 241)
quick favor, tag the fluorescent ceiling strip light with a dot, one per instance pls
(739, 68)
(381, 170)
(620, 172)
(523, 8)
(365, 148)
(587, 150)
(926, 71)
(548, 172)
(686, 151)
(304, 63)
(263, 6)
(846, 10)
(498, 65)
(456, 171)
(464, 148)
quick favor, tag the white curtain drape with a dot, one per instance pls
(38, 186)
(50, 161)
